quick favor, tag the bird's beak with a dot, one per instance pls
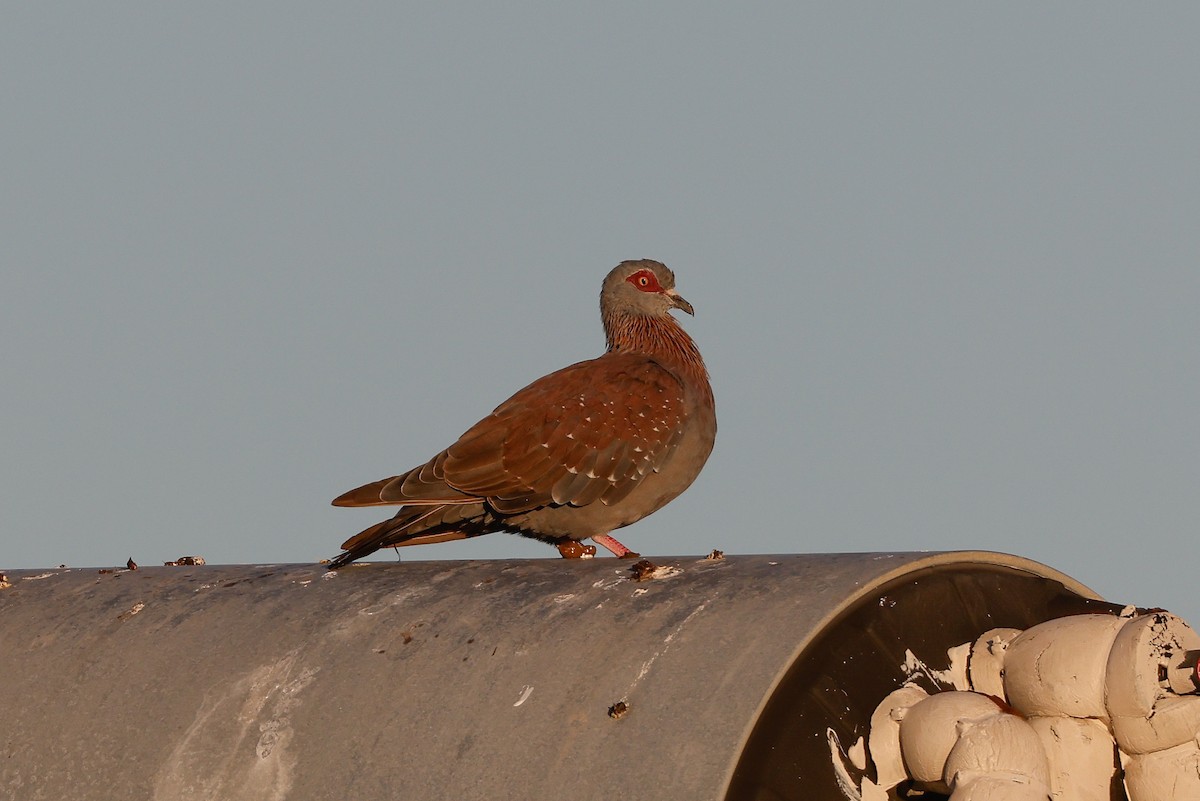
(678, 302)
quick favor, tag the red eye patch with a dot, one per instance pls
(645, 280)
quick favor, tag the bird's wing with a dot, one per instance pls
(587, 432)
(421, 486)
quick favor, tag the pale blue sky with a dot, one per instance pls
(945, 261)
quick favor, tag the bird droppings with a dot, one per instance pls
(526, 691)
(562, 599)
(641, 570)
(640, 591)
(645, 570)
(618, 710)
(954, 676)
(184, 561)
(133, 610)
(130, 564)
(714, 556)
(38, 577)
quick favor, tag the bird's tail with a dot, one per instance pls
(396, 532)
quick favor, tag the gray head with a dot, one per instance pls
(644, 288)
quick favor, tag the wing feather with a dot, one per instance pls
(607, 422)
(589, 432)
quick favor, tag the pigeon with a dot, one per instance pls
(578, 453)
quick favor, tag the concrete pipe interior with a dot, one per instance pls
(824, 701)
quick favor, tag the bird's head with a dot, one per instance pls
(643, 288)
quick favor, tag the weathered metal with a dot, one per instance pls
(538, 679)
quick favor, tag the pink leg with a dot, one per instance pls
(618, 550)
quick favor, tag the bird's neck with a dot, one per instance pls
(659, 337)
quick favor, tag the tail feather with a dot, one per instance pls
(396, 532)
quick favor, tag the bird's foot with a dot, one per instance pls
(573, 549)
(618, 550)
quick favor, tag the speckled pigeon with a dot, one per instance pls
(576, 454)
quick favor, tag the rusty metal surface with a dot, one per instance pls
(424, 680)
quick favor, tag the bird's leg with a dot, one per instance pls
(618, 550)
(574, 549)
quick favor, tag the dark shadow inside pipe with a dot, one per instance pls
(831, 689)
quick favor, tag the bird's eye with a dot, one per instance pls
(645, 281)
